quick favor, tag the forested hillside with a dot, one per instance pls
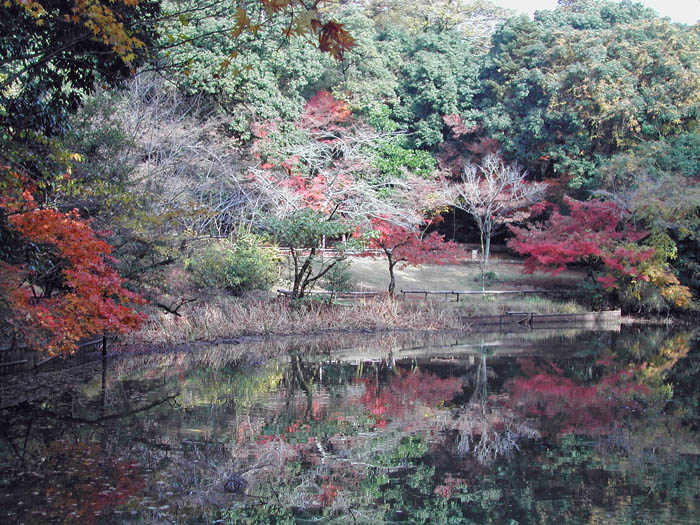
(155, 151)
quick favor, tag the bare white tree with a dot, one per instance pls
(344, 181)
(492, 192)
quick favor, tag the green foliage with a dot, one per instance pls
(438, 76)
(576, 85)
(408, 81)
(338, 278)
(368, 79)
(268, 513)
(304, 228)
(394, 159)
(487, 277)
(411, 448)
(244, 265)
(593, 293)
(474, 19)
(251, 78)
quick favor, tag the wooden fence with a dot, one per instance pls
(602, 319)
(457, 293)
(15, 360)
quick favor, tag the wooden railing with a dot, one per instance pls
(20, 359)
(457, 293)
(335, 295)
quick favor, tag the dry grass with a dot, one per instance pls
(227, 317)
(478, 305)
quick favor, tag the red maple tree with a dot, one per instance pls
(410, 246)
(594, 233)
(58, 286)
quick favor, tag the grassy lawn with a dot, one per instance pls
(373, 274)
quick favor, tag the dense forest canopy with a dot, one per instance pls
(153, 127)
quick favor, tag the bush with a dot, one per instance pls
(245, 265)
(338, 278)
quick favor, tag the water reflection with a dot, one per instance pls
(538, 428)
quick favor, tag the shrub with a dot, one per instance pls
(338, 278)
(246, 265)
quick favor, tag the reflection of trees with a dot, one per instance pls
(75, 483)
(484, 431)
(619, 382)
(286, 428)
(300, 376)
(66, 467)
(406, 391)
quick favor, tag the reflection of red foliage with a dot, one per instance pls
(265, 439)
(328, 494)
(448, 486)
(572, 408)
(404, 390)
(89, 486)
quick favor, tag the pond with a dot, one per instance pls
(535, 427)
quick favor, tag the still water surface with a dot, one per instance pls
(576, 427)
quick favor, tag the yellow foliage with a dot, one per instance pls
(668, 285)
(99, 18)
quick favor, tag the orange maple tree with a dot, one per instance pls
(57, 284)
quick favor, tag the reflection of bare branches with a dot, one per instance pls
(86, 421)
(483, 432)
(491, 442)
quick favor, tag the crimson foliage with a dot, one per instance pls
(593, 233)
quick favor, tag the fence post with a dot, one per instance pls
(103, 389)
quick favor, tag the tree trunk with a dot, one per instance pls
(301, 275)
(392, 280)
(296, 289)
(487, 250)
